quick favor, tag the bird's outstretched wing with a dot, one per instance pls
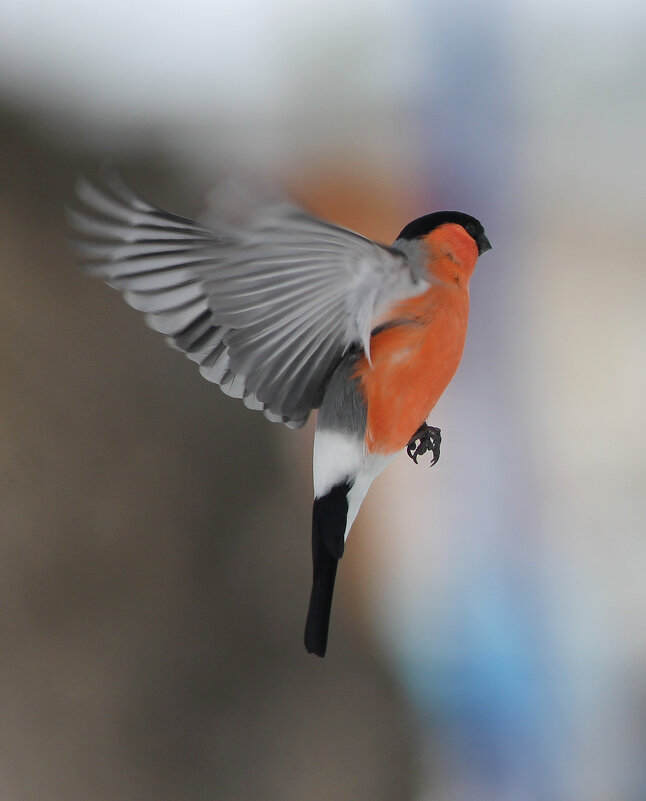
(266, 304)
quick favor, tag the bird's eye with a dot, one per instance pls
(470, 229)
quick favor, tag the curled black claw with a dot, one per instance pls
(426, 438)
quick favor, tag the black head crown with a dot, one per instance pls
(424, 225)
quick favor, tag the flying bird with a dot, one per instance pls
(291, 313)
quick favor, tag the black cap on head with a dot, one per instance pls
(424, 225)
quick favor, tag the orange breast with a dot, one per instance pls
(412, 363)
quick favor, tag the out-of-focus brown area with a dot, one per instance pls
(154, 553)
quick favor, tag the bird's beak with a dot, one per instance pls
(483, 245)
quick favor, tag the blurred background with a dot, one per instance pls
(488, 637)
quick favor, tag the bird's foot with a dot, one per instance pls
(426, 438)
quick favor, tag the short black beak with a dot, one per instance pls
(483, 244)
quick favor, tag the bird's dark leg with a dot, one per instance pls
(426, 438)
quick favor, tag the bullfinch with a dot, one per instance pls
(291, 313)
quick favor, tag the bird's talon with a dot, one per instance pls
(426, 438)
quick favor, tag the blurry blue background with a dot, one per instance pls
(504, 590)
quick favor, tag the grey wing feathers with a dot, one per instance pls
(266, 308)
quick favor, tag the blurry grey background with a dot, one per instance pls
(488, 637)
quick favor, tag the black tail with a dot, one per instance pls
(329, 517)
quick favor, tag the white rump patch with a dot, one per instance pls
(337, 458)
(340, 457)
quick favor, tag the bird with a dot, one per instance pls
(292, 314)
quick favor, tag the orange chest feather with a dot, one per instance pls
(412, 363)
